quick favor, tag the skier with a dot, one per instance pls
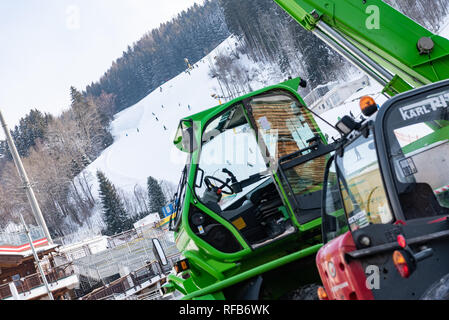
(358, 155)
(189, 107)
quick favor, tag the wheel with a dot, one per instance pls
(438, 291)
(307, 292)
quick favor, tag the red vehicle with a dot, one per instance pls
(385, 209)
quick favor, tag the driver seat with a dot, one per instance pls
(419, 201)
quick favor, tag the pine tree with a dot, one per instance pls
(156, 196)
(115, 216)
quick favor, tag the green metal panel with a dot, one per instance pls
(210, 266)
(219, 286)
(382, 33)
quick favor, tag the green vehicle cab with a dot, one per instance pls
(248, 204)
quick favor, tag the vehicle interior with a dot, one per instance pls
(233, 180)
(363, 194)
(419, 151)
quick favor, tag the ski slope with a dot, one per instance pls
(142, 146)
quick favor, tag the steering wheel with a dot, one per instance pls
(211, 186)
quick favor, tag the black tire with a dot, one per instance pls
(307, 292)
(438, 291)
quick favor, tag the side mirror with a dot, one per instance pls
(346, 125)
(159, 253)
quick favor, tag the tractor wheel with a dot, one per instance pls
(307, 292)
(438, 291)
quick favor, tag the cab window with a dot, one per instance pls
(418, 142)
(364, 197)
(229, 153)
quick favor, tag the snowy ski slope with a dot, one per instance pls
(142, 146)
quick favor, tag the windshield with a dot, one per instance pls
(418, 142)
(229, 154)
(363, 194)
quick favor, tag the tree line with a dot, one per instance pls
(160, 54)
(55, 151)
(270, 37)
(120, 212)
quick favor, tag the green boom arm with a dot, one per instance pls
(390, 47)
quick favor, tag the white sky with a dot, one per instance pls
(46, 46)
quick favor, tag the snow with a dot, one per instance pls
(142, 147)
(148, 220)
(351, 105)
(444, 30)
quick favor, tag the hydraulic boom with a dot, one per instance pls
(393, 49)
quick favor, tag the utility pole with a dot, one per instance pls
(36, 258)
(26, 183)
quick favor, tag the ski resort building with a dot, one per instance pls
(19, 276)
(149, 220)
(84, 248)
(327, 97)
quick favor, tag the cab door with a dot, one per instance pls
(295, 148)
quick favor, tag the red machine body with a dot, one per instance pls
(342, 280)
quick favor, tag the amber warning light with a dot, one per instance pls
(368, 106)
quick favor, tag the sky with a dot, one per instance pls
(47, 46)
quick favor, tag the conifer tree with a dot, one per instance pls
(156, 196)
(114, 213)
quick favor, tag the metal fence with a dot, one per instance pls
(76, 237)
(134, 280)
(19, 237)
(128, 252)
(34, 281)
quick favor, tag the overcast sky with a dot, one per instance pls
(46, 46)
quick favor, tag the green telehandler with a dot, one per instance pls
(249, 203)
